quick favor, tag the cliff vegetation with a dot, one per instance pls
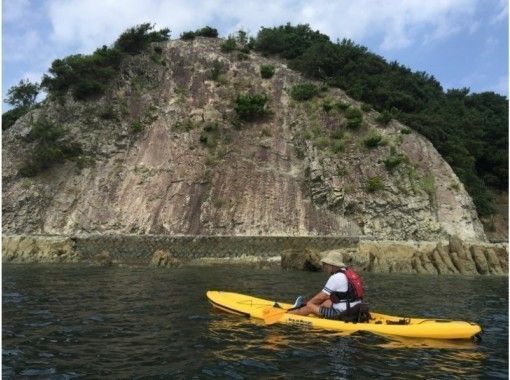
(285, 133)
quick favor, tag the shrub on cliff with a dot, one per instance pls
(354, 117)
(384, 118)
(394, 160)
(304, 91)
(287, 40)
(373, 140)
(10, 117)
(252, 107)
(188, 35)
(87, 76)
(84, 75)
(138, 38)
(375, 184)
(217, 69)
(207, 31)
(228, 45)
(266, 71)
(136, 127)
(50, 147)
(469, 130)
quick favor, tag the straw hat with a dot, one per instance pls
(333, 258)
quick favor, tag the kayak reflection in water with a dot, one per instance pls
(342, 296)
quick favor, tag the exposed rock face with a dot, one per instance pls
(413, 257)
(458, 257)
(307, 259)
(194, 169)
(28, 249)
(164, 259)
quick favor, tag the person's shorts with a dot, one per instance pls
(357, 313)
(330, 312)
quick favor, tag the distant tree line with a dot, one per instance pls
(469, 130)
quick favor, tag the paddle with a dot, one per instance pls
(273, 315)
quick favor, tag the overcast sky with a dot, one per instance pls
(463, 43)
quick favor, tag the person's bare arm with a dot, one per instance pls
(318, 299)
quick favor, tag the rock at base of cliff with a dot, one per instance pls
(104, 259)
(393, 256)
(164, 259)
(38, 249)
(305, 259)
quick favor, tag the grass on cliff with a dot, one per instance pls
(375, 184)
(394, 160)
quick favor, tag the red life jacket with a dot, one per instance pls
(354, 291)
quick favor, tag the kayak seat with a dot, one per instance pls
(357, 313)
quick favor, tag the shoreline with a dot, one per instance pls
(291, 252)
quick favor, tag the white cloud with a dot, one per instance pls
(36, 33)
(397, 23)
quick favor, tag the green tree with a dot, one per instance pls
(207, 31)
(136, 39)
(10, 117)
(469, 130)
(23, 94)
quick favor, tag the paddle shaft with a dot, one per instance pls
(278, 314)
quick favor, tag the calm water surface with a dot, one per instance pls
(64, 322)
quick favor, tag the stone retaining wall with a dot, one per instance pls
(303, 252)
(141, 248)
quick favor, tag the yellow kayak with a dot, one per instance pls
(254, 307)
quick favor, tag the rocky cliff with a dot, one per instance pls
(163, 152)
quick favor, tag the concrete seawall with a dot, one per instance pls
(301, 252)
(136, 247)
(140, 248)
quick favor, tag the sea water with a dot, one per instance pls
(78, 321)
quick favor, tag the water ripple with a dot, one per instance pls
(75, 321)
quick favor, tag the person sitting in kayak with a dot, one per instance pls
(342, 295)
